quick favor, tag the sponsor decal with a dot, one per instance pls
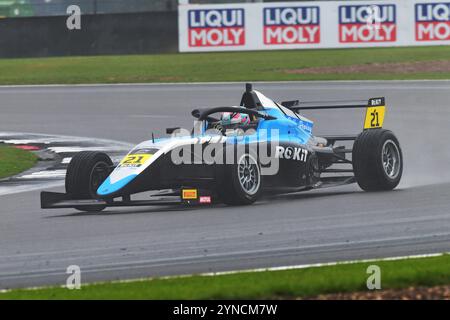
(189, 194)
(432, 21)
(367, 23)
(205, 199)
(291, 25)
(291, 153)
(306, 126)
(216, 27)
(375, 102)
(134, 160)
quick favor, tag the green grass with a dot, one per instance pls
(234, 66)
(260, 285)
(14, 161)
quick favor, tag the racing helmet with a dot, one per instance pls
(228, 118)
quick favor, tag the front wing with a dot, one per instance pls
(53, 200)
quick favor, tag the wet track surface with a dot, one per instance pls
(36, 246)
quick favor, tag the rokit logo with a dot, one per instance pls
(216, 28)
(291, 25)
(432, 21)
(291, 153)
(367, 23)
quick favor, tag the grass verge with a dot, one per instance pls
(431, 271)
(14, 161)
(208, 67)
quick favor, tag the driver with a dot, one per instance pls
(230, 118)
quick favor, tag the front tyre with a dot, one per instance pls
(86, 172)
(242, 183)
(377, 160)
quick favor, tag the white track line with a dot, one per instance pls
(326, 264)
(211, 274)
(29, 138)
(215, 83)
(61, 173)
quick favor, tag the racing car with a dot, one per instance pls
(234, 155)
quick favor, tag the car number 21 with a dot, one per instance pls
(134, 160)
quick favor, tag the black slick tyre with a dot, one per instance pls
(85, 173)
(377, 160)
(242, 183)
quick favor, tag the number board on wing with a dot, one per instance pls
(134, 160)
(375, 113)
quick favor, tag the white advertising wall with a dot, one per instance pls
(309, 25)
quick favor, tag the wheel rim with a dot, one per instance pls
(98, 175)
(249, 174)
(391, 159)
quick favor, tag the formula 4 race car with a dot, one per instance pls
(234, 155)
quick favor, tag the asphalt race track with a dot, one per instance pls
(37, 246)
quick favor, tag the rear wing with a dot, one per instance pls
(375, 109)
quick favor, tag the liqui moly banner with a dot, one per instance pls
(291, 25)
(308, 25)
(355, 26)
(432, 21)
(216, 28)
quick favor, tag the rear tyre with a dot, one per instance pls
(312, 171)
(86, 172)
(242, 183)
(377, 160)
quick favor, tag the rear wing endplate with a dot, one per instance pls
(375, 109)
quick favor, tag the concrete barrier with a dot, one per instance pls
(134, 33)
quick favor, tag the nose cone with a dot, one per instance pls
(108, 188)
